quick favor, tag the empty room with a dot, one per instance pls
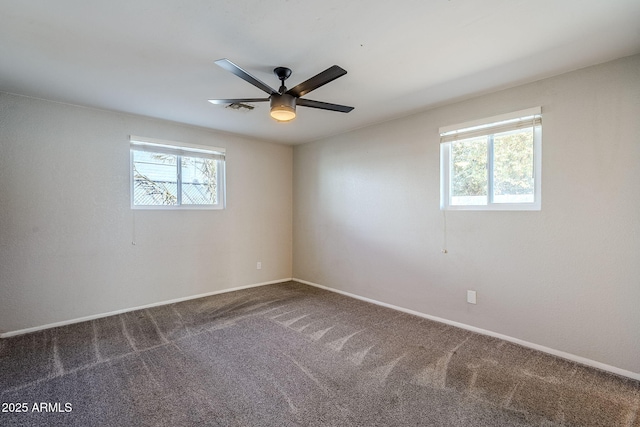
(320, 213)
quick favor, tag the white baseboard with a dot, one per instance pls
(562, 354)
(155, 304)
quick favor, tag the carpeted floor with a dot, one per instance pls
(294, 355)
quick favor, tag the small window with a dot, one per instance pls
(492, 164)
(166, 175)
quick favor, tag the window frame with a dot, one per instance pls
(523, 119)
(179, 149)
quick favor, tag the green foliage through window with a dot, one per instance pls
(495, 165)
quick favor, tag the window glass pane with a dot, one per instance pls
(513, 167)
(469, 172)
(199, 181)
(155, 179)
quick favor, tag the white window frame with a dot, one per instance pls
(179, 149)
(522, 119)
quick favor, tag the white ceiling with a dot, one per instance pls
(155, 57)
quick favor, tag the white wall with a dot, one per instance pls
(66, 226)
(367, 220)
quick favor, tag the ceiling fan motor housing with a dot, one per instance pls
(283, 107)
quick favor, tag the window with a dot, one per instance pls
(492, 164)
(170, 175)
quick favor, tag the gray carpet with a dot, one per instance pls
(294, 355)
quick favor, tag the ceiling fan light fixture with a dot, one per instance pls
(283, 107)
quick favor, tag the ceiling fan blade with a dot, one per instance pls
(328, 75)
(237, 101)
(233, 68)
(323, 105)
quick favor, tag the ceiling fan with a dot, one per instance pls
(283, 101)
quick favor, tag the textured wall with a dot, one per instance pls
(367, 219)
(66, 226)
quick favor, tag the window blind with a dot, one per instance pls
(504, 123)
(166, 147)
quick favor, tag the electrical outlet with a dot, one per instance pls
(471, 297)
(259, 266)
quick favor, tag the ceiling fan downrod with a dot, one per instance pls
(283, 74)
